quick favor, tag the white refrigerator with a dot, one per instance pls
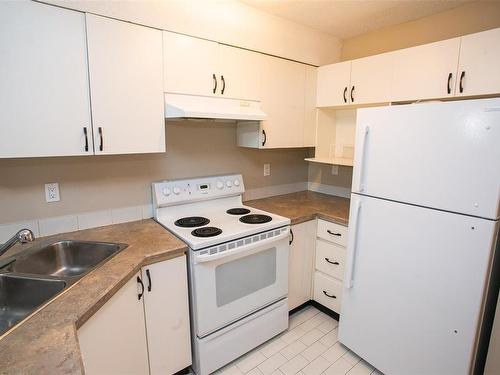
(421, 279)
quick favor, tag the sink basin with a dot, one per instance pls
(64, 258)
(20, 296)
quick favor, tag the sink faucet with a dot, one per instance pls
(23, 236)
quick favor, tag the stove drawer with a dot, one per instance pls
(327, 291)
(332, 232)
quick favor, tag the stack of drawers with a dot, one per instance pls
(331, 240)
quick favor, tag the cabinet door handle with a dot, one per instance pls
(265, 137)
(345, 92)
(150, 285)
(139, 296)
(215, 83)
(291, 234)
(352, 96)
(448, 88)
(101, 146)
(333, 233)
(86, 139)
(329, 261)
(462, 76)
(223, 84)
(329, 295)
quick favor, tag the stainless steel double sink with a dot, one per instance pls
(34, 276)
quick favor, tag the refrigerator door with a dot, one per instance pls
(414, 286)
(443, 155)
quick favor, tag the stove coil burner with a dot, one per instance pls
(238, 211)
(206, 232)
(192, 221)
(255, 219)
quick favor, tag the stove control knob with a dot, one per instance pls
(177, 190)
(229, 183)
(166, 191)
(220, 185)
(236, 182)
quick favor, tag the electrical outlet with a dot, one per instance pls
(267, 169)
(335, 170)
(52, 192)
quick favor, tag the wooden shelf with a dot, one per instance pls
(332, 161)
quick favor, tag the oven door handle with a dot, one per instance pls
(242, 249)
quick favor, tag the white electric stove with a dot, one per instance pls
(238, 265)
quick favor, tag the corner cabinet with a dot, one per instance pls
(126, 74)
(301, 263)
(50, 106)
(144, 327)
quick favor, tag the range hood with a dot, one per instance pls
(195, 106)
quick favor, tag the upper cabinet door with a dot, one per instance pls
(126, 75)
(333, 84)
(370, 79)
(44, 95)
(310, 106)
(239, 73)
(283, 85)
(425, 72)
(190, 65)
(478, 66)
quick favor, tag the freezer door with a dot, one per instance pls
(414, 286)
(444, 155)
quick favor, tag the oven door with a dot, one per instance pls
(233, 280)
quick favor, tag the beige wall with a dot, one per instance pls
(226, 21)
(466, 19)
(94, 183)
(322, 174)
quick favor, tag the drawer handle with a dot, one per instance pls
(329, 295)
(329, 261)
(333, 233)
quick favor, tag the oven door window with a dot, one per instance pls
(239, 278)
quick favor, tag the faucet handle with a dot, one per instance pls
(25, 236)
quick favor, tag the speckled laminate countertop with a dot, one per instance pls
(46, 343)
(305, 205)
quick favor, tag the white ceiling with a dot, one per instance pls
(348, 18)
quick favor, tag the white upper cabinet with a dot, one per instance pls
(333, 84)
(126, 75)
(44, 93)
(239, 73)
(201, 67)
(479, 61)
(190, 65)
(425, 72)
(371, 79)
(310, 106)
(283, 84)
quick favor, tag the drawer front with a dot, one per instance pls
(324, 285)
(332, 232)
(330, 258)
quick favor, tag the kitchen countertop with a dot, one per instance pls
(47, 343)
(305, 205)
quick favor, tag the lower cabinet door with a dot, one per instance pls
(327, 291)
(113, 340)
(167, 315)
(300, 263)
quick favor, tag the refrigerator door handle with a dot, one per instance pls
(361, 162)
(352, 245)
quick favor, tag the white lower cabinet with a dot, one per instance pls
(113, 340)
(329, 264)
(144, 327)
(301, 263)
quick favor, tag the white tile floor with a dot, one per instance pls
(308, 347)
